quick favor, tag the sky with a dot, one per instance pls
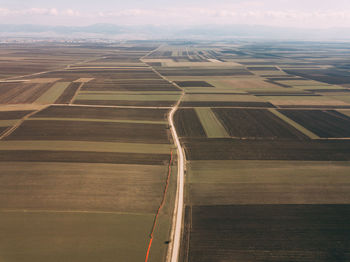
(283, 13)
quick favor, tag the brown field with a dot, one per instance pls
(90, 131)
(55, 183)
(21, 93)
(82, 157)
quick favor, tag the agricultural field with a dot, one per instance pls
(88, 159)
(265, 133)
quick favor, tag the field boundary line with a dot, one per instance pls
(160, 207)
(10, 130)
(76, 93)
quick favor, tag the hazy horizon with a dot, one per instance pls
(282, 13)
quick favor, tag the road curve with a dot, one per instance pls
(174, 248)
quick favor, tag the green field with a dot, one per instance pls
(212, 126)
(73, 236)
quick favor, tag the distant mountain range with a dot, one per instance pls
(209, 32)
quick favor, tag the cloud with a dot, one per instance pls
(250, 12)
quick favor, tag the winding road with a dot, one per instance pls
(174, 248)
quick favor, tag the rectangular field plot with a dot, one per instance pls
(193, 84)
(85, 146)
(326, 123)
(255, 149)
(91, 131)
(188, 124)
(85, 112)
(269, 233)
(255, 123)
(42, 236)
(73, 186)
(82, 157)
(267, 182)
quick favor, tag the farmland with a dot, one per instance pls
(265, 133)
(89, 160)
(83, 173)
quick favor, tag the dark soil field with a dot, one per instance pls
(257, 123)
(327, 123)
(90, 131)
(3, 129)
(269, 233)
(7, 115)
(256, 149)
(103, 113)
(187, 124)
(193, 84)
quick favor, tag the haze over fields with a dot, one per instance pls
(178, 19)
